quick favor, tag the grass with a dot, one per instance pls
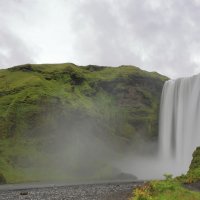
(164, 190)
(172, 188)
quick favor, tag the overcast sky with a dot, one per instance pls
(155, 35)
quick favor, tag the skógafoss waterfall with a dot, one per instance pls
(179, 131)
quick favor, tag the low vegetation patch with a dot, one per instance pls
(193, 174)
(164, 190)
(172, 188)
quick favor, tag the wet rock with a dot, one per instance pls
(23, 193)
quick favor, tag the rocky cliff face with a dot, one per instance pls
(49, 109)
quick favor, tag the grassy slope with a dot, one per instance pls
(119, 105)
(193, 174)
(172, 188)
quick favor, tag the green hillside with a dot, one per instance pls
(73, 118)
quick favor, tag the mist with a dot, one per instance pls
(77, 147)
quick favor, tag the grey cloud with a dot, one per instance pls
(13, 50)
(101, 33)
(155, 35)
(161, 38)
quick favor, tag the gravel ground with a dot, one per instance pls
(101, 191)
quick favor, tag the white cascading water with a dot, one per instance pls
(179, 129)
(179, 132)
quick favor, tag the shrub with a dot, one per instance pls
(168, 176)
(143, 192)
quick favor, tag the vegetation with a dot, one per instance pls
(44, 106)
(164, 190)
(193, 174)
(172, 188)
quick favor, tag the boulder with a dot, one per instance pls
(125, 176)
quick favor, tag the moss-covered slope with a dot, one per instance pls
(43, 108)
(185, 187)
(193, 174)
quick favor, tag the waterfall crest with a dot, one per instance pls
(179, 125)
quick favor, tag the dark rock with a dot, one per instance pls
(23, 193)
(94, 68)
(25, 68)
(76, 78)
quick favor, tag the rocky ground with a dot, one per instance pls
(193, 186)
(101, 191)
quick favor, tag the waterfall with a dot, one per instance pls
(179, 132)
(179, 125)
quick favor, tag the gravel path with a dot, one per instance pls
(101, 191)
